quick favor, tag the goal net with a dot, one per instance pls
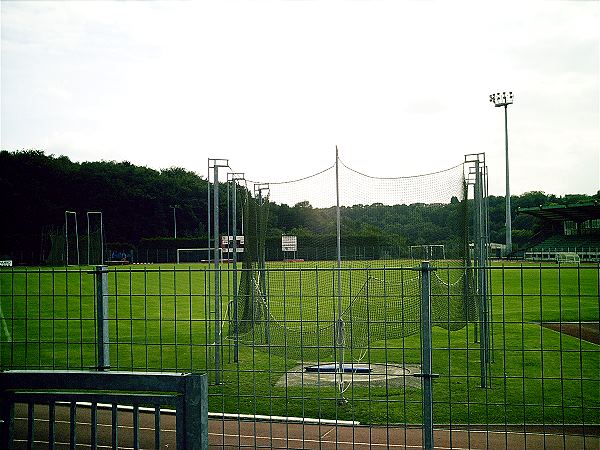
(567, 257)
(197, 255)
(428, 252)
(94, 238)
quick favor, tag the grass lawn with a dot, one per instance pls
(162, 318)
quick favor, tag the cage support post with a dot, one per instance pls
(101, 274)
(235, 290)
(262, 281)
(217, 277)
(480, 248)
(340, 320)
(234, 178)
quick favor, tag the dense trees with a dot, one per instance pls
(136, 202)
(36, 190)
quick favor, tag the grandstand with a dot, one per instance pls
(568, 229)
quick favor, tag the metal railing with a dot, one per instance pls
(541, 362)
(186, 393)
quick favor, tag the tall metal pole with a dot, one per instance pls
(216, 163)
(234, 178)
(340, 321)
(174, 221)
(66, 239)
(77, 239)
(216, 261)
(508, 215)
(88, 238)
(481, 280)
(505, 99)
(235, 290)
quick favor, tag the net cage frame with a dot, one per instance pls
(478, 182)
(475, 184)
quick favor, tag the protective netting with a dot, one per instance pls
(381, 218)
(296, 318)
(291, 305)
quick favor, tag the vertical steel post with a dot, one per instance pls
(508, 215)
(174, 222)
(77, 239)
(102, 317)
(340, 321)
(88, 239)
(235, 290)
(195, 412)
(66, 239)
(102, 240)
(426, 355)
(480, 250)
(262, 266)
(216, 262)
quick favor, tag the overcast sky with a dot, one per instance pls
(402, 88)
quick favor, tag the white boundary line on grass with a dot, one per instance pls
(258, 417)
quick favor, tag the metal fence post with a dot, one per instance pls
(426, 374)
(101, 274)
(196, 411)
(7, 423)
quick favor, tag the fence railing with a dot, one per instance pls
(584, 254)
(541, 364)
(114, 391)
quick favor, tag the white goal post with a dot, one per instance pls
(428, 252)
(197, 255)
(567, 257)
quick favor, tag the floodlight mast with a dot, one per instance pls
(505, 99)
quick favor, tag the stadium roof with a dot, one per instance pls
(577, 213)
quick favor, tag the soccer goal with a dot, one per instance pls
(197, 255)
(428, 252)
(71, 239)
(567, 257)
(95, 238)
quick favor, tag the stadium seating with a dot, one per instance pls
(586, 246)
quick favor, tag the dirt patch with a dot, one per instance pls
(587, 331)
(381, 375)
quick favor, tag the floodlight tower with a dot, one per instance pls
(498, 100)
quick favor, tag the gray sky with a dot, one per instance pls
(401, 87)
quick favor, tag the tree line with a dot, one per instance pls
(137, 205)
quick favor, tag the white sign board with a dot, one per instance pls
(289, 243)
(6, 263)
(227, 244)
(227, 241)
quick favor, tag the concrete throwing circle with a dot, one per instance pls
(381, 375)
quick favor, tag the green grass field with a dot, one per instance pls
(161, 318)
